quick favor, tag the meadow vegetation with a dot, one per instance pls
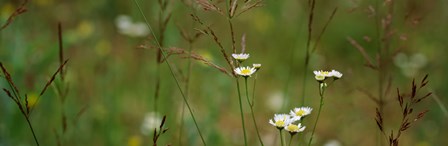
(223, 72)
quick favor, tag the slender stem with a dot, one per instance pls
(321, 92)
(304, 80)
(32, 130)
(253, 91)
(252, 113)
(241, 110)
(187, 91)
(171, 71)
(281, 137)
(290, 140)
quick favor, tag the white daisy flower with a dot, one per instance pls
(335, 74)
(240, 57)
(280, 120)
(293, 129)
(321, 75)
(256, 66)
(245, 71)
(298, 113)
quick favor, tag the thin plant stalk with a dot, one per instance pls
(281, 137)
(290, 140)
(312, 4)
(187, 91)
(241, 110)
(171, 71)
(32, 130)
(321, 93)
(252, 113)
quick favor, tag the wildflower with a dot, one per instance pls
(150, 122)
(280, 120)
(245, 71)
(335, 74)
(127, 27)
(321, 75)
(293, 129)
(240, 57)
(256, 66)
(298, 113)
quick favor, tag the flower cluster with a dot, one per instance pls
(320, 76)
(287, 121)
(245, 71)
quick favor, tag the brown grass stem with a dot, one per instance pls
(324, 29)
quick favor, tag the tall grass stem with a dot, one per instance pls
(171, 71)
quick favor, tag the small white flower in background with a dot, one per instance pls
(151, 121)
(333, 143)
(280, 120)
(127, 27)
(240, 57)
(298, 113)
(245, 71)
(275, 101)
(256, 66)
(410, 65)
(293, 129)
(335, 74)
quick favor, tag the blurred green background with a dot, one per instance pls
(111, 77)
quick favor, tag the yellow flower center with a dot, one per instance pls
(300, 113)
(292, 127)
(280, 123)
(245, 71)
(320, 77)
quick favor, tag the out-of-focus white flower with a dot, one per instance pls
(280, 120)
(293, 129)
(245, 71)
(275, 101)
(240, 57)
(127, 27)
(151, 121)
(333, 143)
(298, 113)
(411, 65)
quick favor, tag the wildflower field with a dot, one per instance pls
(223, 73)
